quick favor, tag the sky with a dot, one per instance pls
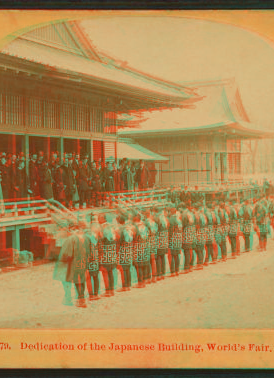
(185, 50)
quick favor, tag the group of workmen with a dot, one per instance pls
(71, 181)
(142, 239)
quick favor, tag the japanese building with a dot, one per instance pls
(59, 94)
(203, 144)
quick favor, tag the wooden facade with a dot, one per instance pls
(195, 160)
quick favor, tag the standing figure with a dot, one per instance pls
(108, 254)
(246, 212)
(201, 222)
(260, 214)
(84, 178)
(162, 250)
(59, 183)
(13, 172)
(92, 241)
(109, 181)
(189, 236)
(45, 181)
(141, 253)
(225, 227)
(5, 175)
(175, 240)
(127, 233)
(71, 266)
(21, 181)
(142, 176)
(153, 245)
(209, 236)
(218, 231)
(33, 176)
(128, 178)
(96, 185)
(233, 229)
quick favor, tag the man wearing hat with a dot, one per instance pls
(33, 175)
(175, 240)
(84, 178)
(201, 222)
(142, 176)
(189, 236)
(5, 175)
(233, 226)
(22, 183)
(225, 226)
(209, 235)
(126, 231)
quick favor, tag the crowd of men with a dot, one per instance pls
(70, 180)
(144, 238)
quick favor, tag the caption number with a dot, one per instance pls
(4, 346)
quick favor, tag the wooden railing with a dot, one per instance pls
(140, 198)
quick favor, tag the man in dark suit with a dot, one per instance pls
(5, 174)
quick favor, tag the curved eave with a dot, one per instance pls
(234, 130)
(148, 98)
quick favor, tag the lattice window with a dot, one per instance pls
(35, 113)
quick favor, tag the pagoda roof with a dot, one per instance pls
(220, 111)
(62, 50)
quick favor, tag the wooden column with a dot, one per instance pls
(3, 239)
(13, 144)
(16, 238)
(26, 151)
(61, 148)
(90, 149)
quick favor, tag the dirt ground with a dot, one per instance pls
(232, 294)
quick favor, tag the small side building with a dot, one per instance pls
(203, 142)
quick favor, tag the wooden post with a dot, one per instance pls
(26, 151)
(16, 239)
(61, 148)
(48, 148)
(91, 149)
(13, 144)
(3, 239)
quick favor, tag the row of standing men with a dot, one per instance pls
(71, 180)
(143, 239)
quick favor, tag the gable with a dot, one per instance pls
(56, 35)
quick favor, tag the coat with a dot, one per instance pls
(72, 263)
(128, 180)
(142, 177)
(34, 179)
(6, 180)
(109, 180)
(45, 184)
(13, 171)
(21, 184)
(84, 178)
